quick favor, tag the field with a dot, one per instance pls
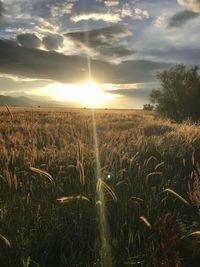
(104, 188)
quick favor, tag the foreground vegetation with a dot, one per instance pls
(49, 203)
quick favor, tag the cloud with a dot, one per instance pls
(141, 93)
(38, 64)
(138, 71)
(99, 35)
(114, 51)
(192, 5)
(107, 17)
(161, 21)
(111, 3)
(53, 42)
(112, 11)
(181, 18)
(45, 26)
(60, 9)
(141, 14)
(183, 54)
(29, 40)
(107, 41)
(132, 91)
(126, 11)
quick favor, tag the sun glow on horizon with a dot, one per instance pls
(89, 93)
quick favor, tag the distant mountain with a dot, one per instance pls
(12, 101)
(26, 101)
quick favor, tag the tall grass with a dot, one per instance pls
(48, 204)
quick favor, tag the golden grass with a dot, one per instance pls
(168, 190)
(42, 173)
(47, 158)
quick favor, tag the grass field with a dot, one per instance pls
(63, 190)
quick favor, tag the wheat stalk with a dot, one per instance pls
(5, 240)
(72, 198)
(9, 111)
(168, 190)
(43, 173)
(145, 221)
(101, 183)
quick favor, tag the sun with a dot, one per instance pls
(88, 93)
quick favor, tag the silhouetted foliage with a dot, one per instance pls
(148, 107)
(179, 95)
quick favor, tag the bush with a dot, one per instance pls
(148, 107)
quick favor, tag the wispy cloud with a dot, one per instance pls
(108, 17)
(111, 3)
(45, 26)
(58, 10)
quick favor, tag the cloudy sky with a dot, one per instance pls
(54, 47)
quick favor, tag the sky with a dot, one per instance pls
(102, 53)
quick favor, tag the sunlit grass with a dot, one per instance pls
(141, 174)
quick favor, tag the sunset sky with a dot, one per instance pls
(94, 52)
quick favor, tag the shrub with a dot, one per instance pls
(148, 107)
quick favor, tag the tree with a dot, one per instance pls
(179, 95)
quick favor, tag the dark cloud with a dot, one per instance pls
(106, 41)
(138, 71)
(53, 42)
(140, 93)
(115, 51)
(102, 35)
(50, 42)
(187, 55)
(29, 40)
(181, 18)
(32, 63)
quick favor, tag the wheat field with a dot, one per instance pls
(49, 207)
